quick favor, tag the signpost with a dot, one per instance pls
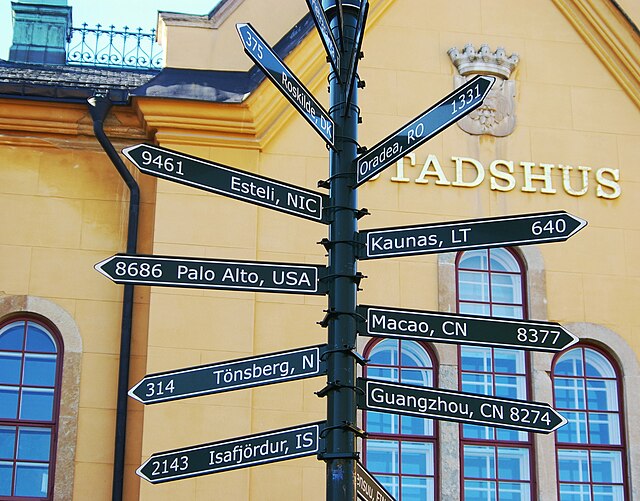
(367, 486)
(213, 274)
(283, 78)
(457, 406)
(324, 30)
(227, 181)
(524, 229)
(232, 375)
(355, 54)
(441, 115)
(215, 457)
(463, 329)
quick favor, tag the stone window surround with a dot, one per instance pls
(70, 392)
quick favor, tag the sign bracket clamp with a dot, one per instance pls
(337, 385)
(349, 350)
(355, 278)
(346, 425)
(333, 313)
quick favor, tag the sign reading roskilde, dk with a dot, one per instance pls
(251, 276)
(283, 78)
(441, 115)
(227, 181)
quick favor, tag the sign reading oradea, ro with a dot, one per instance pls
(231, 375)
(457, 406)
(251, 276)
(224, 180)
(441, 115)
(457, 328)
(524, 229)
(251, 450)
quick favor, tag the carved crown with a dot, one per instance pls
(483, 61)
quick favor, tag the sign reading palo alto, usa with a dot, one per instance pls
(227, 181)
(463, 329)
(441, 115)
(283, 78)
(215, 457)
(231, 375)
(457, 406)
(523, 229)
(251, 276)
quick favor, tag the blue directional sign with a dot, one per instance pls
(225, 455)
(329, 42)
(283, 78)
(441, 115)
(231, 375)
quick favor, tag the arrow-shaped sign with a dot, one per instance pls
(457, 406)
(215, 457)
(283, 78)
(441, 115)
(251, 276)
(524, 229)
(227, 181)
(231, 375)
(329, 42)
(368, 488)
(352, 68)
(463, 329)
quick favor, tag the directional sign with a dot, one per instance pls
(214, 274)
(232, 375)
(215, 457)
(355, 53)
(463, 329)
(457, 406)
(456, 105)
(368, 488)
(471, 234)
(227, 181)
(283, 78)
(329, 42)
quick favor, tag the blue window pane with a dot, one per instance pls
(39, 340)
(511, 491)
(509, 361)
(8, 402)
(413, 355)
(479, 432)
(479, 462)
(39, 369)
(473, 286)
(416, 489)
(573, 466)
(569, 393)
(385, 353)
(12, 337)
(604, 429)
(597, 365)
(608, 493)
(503, 260)
(10, 367)
(390, 483)
(382, 456)
(6, 478)
(575, 492)
(475, 260)
(500, 310)
(37, 404)
(513, 464)
(416, 426)
(606, 467)
(32, 479)
(511, 435)
(575, 431)
(506, 289)
(34, 444)
(383, 374)
(475, 309)
(477, 383)
(476, 358)
(382, 422)
(602, 395)
(479, 491)
(416, 377)
(7, 442)
(569, 364)
(417, 458)
(511, 387)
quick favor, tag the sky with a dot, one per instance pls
(133, 13)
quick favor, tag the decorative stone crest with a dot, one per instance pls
(497, 115)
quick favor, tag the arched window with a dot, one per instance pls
(401, 450)
(591, 455)
(496, 463)
(30, 373)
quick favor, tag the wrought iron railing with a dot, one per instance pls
(111, 48)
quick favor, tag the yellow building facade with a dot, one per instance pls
(562, 132)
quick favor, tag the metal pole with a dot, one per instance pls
(340, 434)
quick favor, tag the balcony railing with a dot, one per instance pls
(111, 48)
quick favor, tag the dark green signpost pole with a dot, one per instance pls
(340, 434)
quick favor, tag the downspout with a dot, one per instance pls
(99, 106)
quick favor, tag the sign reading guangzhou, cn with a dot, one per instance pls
(441, 115)
(523, 229)
(227, 181)
(251, 276)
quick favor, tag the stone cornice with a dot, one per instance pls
(611, 36)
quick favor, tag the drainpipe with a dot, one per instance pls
(99, 106)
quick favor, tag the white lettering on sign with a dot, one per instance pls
(420, 404)
(291, 277)
(250, 188)
(504, 175)
(387, 152)
(256, 371)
